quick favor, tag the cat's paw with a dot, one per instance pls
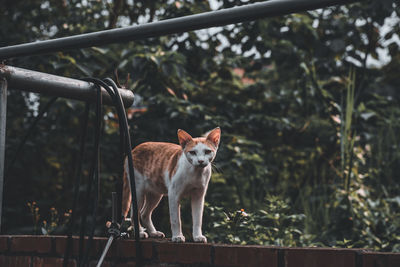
(200, 239)
(143, 235)
(157, 234)
(178, 239)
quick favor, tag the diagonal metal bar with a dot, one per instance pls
(170, 26)
(107, 247)
(39, 82)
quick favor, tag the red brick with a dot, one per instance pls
(4, 243)
(229, 255)
(119, 248)
(374, 259)
(123, 253)
(51, 262)
(109, 264)
(104, 264)
(40, 244)
(99, 243)
(14, 261)
(127, 264)
(125, 248)
(61, 245)
(185, 253)
(316, 257)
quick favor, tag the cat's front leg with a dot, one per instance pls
(197, 216)
(175, 217)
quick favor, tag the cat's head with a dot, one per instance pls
(200, 151)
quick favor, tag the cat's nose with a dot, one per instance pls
(201, 161)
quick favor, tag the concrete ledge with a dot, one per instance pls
(38, 251)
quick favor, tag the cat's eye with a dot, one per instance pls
(193, 153)
(207, 151)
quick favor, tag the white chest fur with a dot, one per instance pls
(190, 181)
(187, 178)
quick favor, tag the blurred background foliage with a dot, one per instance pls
(308, 105)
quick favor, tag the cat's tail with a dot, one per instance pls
(126, 191)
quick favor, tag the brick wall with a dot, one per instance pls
(34, 251)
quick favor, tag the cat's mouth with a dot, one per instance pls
(201, 165)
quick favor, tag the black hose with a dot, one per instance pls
(125, 141)
(128, 146)
(131, 177)
(93, 179)
(77, 183)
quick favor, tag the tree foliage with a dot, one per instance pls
(309, 125)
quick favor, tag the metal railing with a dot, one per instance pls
(48, 84)
(170, 26)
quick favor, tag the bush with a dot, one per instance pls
(273, 225)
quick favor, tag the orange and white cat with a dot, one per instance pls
(176, 171)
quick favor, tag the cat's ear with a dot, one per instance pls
(184, 138)
(214, 136)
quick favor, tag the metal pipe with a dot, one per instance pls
(3, 111)
(114, 207)
(170, 26)
(107, 247)
(39, 82)
(114, 234)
